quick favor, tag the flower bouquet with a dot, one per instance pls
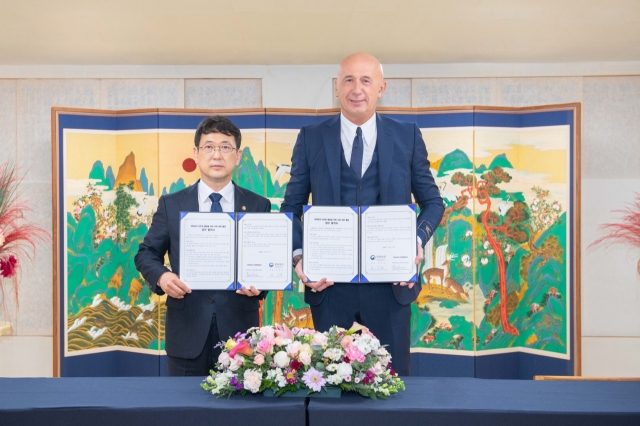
(279, 359)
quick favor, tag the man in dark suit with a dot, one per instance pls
(361, 158)
(197, 320)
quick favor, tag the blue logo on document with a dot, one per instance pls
(270, 264)
(372, 257)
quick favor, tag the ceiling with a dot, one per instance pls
(210, 32)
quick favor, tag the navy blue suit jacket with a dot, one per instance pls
(188, 319)
(403, 169)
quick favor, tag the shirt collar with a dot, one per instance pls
(204, 191)
(369, 129)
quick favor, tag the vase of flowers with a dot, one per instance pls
(18, 240)
(278, 360)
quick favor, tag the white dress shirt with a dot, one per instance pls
(227, 200)
(369, 136)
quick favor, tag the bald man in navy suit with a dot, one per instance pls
(362, 158)
(197, 320)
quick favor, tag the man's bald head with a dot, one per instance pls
(359, 84)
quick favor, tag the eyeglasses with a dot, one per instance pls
(225, 149)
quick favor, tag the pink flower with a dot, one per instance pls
(305, 358)
(346, 341)
(313, 380)
(236, 362)
(355, 354)
(265, 346)
(319, 339)
(224, 359)
(259, 359)
(241, 348)
(293, 348)
(8, 266)
(291, 376)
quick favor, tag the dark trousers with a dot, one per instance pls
(204, 362)
(374, 306)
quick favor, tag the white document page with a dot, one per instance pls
(389, 245)
(330, 244)
(264, 250)
(207, 251)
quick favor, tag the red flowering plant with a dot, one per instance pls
(627, 231)
(18, 239)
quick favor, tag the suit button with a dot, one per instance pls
(359, 188)
(210, 299)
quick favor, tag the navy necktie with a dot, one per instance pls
(215, 202)
(356, 154)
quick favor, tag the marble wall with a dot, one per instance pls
(610, 175)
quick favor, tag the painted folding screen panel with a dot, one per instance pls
(500, 274)
(499, 293)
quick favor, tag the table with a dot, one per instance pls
(162, 401)
(468, 401)
(129, 401)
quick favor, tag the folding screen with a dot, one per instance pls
(500, 295)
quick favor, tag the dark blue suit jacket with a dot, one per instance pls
(403, 169)
(188, 319)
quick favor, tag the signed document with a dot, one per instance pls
(208, 250)
(388, 243)
(330, 243)
(264, 250)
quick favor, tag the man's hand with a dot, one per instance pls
(248, 291)
(419, 259)
(172, 286)
(315, 287)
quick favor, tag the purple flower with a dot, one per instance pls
(235, 383)
(313, 380)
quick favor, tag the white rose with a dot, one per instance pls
(252, 380)
(281, 359)
(304, 358)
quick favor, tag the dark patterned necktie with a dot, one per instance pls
(215, 202)
(356, 154)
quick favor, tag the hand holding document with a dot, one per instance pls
(210, 258)
(365, 244)
(207, 250)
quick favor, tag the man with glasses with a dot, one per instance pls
(197, 320)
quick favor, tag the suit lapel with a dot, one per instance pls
(239, 202)
(189, 199)
(384, 143)
(332, 145)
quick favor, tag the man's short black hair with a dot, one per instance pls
(218, 124)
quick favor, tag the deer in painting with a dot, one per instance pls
(440, 273)
(298, 318)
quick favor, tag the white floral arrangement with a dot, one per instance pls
(281, 360)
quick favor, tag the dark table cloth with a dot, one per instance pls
(427, 401)
(129, 401)
(468, 401)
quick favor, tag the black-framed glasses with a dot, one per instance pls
(209, 149)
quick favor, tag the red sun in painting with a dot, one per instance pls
(189, 165)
